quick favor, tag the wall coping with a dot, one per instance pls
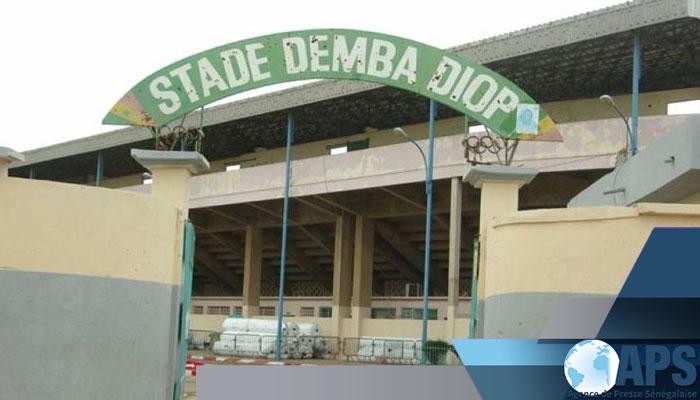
(479, 174)
(559, 215)
(154, 159)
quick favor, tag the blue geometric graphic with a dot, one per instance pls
(654, 325)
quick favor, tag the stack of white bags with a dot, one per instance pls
(388, 349)
(256, 338)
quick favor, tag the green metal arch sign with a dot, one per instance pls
(468, 87)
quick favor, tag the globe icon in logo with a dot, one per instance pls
(591, 367)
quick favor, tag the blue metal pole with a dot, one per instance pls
(100, 168)
(474, 302)
(428, 227)
(31, 172)
(283, 253)
(636, 74)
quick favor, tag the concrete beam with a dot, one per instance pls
(319, 237)
(548, 190)
(415, 198)
(408, 195)
(211, 267)
(312, 233)
(233, 218)
(351, 207)
(233, 245)
(393, 257)
(303, 261)
(319, 205)
(394, 238)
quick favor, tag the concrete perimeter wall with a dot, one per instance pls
(539, 261)
(89, 287)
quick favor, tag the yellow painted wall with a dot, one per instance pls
(74, 229)
(122, 181)
(577, 250)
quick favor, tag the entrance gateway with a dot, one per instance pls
(468, 87)
(193, 82)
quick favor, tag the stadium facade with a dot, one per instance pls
(355, 252)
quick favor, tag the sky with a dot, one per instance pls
(65, 63)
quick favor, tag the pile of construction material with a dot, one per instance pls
(257, 338)
(388, 349)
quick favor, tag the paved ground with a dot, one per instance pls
(190, 382)
(207, 357)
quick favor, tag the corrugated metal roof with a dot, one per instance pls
(581, 28)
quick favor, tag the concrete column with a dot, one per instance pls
(363, 260)
(7, 157)
(500, 186)
(455, 254)
(342, 272)
(171, 171)
(252, 271)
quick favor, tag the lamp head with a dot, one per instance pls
(607, 99)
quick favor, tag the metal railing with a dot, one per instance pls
(396, 351)
(199, 339)
(292, 347)
(362, 349)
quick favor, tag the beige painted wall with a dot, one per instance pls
(577, 250)
(73, 229)
(370, 327)
(587, 145)
(292, 305)
(652, 103)
(411, 328)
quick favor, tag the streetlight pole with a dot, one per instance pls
(428, 163)
(607, 99)
(283, 245)
(636, 73)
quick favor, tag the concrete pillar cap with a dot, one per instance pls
(479, 174)
(156, 159)
(9, 156)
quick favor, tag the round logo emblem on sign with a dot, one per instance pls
(591, 367)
